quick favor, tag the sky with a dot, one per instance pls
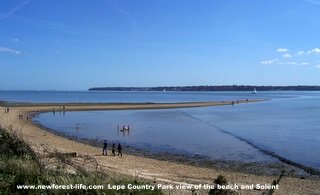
(78, 44)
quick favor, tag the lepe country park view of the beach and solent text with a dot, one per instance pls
(172, 97)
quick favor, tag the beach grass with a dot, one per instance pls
(19, 165)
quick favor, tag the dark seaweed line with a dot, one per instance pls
(307, 169)
(270, 153)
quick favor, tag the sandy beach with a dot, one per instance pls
(158, 171)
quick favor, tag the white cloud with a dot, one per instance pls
(269, 61)
(296, 58)
(304, 63)
(294, 63)
(45, 24)
(13, 10)
(5, 49)
(286, 55)
(314, 51)
(299, 53)
(282, 50)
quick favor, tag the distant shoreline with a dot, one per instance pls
(212, 88)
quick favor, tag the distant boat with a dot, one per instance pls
(164, 90)
(254, 91)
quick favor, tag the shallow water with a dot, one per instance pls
(125, 96)
(155, 130)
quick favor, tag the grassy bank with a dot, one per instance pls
(20, 165)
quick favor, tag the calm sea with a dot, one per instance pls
(287, 125)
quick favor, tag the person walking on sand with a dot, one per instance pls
(119, 149)
(105, 145)
(114, 149)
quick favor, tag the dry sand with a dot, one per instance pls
(145, 168)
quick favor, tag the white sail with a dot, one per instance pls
(254, 91)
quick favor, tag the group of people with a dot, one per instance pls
(124, 128)
(63, 108)
(105, 146)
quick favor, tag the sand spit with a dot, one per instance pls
(158, 171)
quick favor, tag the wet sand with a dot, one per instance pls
(144, 167)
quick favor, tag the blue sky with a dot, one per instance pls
(77, 44)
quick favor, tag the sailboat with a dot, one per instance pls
(254, 91)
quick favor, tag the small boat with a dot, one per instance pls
(254, 91)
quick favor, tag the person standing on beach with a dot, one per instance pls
(105, 145)
(119, 149)
(114, 149)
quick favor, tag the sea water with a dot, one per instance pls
(125, 96)
(287, 125)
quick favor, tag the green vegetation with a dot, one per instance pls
(212, 88)
(222, 181)
(20, 165)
